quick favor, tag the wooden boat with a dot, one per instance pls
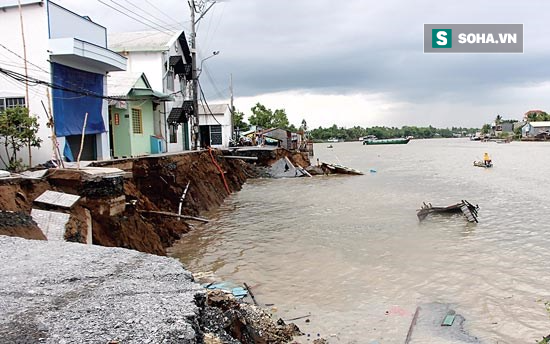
(482, 164)
(469, 210)
(397, 141)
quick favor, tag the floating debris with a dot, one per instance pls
(438, 320)
(337, 168)
(464, 207)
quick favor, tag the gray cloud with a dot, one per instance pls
(358, 46)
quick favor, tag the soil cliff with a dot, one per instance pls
(136, 210)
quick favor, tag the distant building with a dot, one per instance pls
(68, 51)
(132, 122)
(215, 125)
(503, 127)
(166, 60)
(536, 130)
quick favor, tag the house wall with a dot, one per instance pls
(121, 133)
(64, 23)
(35, 23)
(153, 65)
(282, 135)
(141, 143)
(218, 119)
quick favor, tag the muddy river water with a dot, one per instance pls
(350, 252)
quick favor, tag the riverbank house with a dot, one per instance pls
(67, 56)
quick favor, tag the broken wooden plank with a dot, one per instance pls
(240, 157)
(413, 322)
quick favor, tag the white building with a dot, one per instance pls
(215, 125)
(166, 60)
(69, 52)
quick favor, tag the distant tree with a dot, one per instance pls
(536, 116)
(238, 121)
(265, 118)
(261, 116)
(17, 130)
(280, 119)
(498, 120)
(486, 129)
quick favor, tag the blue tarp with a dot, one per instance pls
(69, 107)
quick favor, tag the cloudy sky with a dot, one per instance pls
(355, 62)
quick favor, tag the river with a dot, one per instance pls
(350, 252)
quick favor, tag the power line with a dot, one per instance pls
(129, 16)
(36, 82)
(149, 14)
(166, 15)
(207, 106)
(140, 16)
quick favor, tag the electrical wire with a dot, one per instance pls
(160, 11)
(206, 102)
(140, 16)
(146, 13)
(129, 16)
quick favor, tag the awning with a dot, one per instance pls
(181, 113)
(176, 115)
(147, 92)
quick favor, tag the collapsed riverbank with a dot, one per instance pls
(81, 293)
(137, 206)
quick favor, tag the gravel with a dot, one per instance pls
(59, 292)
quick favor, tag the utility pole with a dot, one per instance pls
(195, 125)
(27, 99)
(232, 125)
(194, 8)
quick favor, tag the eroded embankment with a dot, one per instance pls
(124, 211)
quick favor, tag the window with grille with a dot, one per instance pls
(215, 134)
(170, 80)
(8, 103)
(173, 133)
(137, 122)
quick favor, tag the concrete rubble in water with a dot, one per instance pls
(56, 292)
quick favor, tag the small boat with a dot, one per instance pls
(483, 164)
(486, 163)
(333, 139)
(330, 146)
(397, 141)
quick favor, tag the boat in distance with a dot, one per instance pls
(397, 141)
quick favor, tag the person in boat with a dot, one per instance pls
(486, 159)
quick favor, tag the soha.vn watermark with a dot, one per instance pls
(473, 38)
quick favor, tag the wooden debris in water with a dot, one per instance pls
(464, 207)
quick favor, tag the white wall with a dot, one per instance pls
(149, 63)
(216, 119)
(36, 38)
(64, 23)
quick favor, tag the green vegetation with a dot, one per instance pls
(267, 118)
(537, 116)
(17, 130)
(238, 121)
(352, 134)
